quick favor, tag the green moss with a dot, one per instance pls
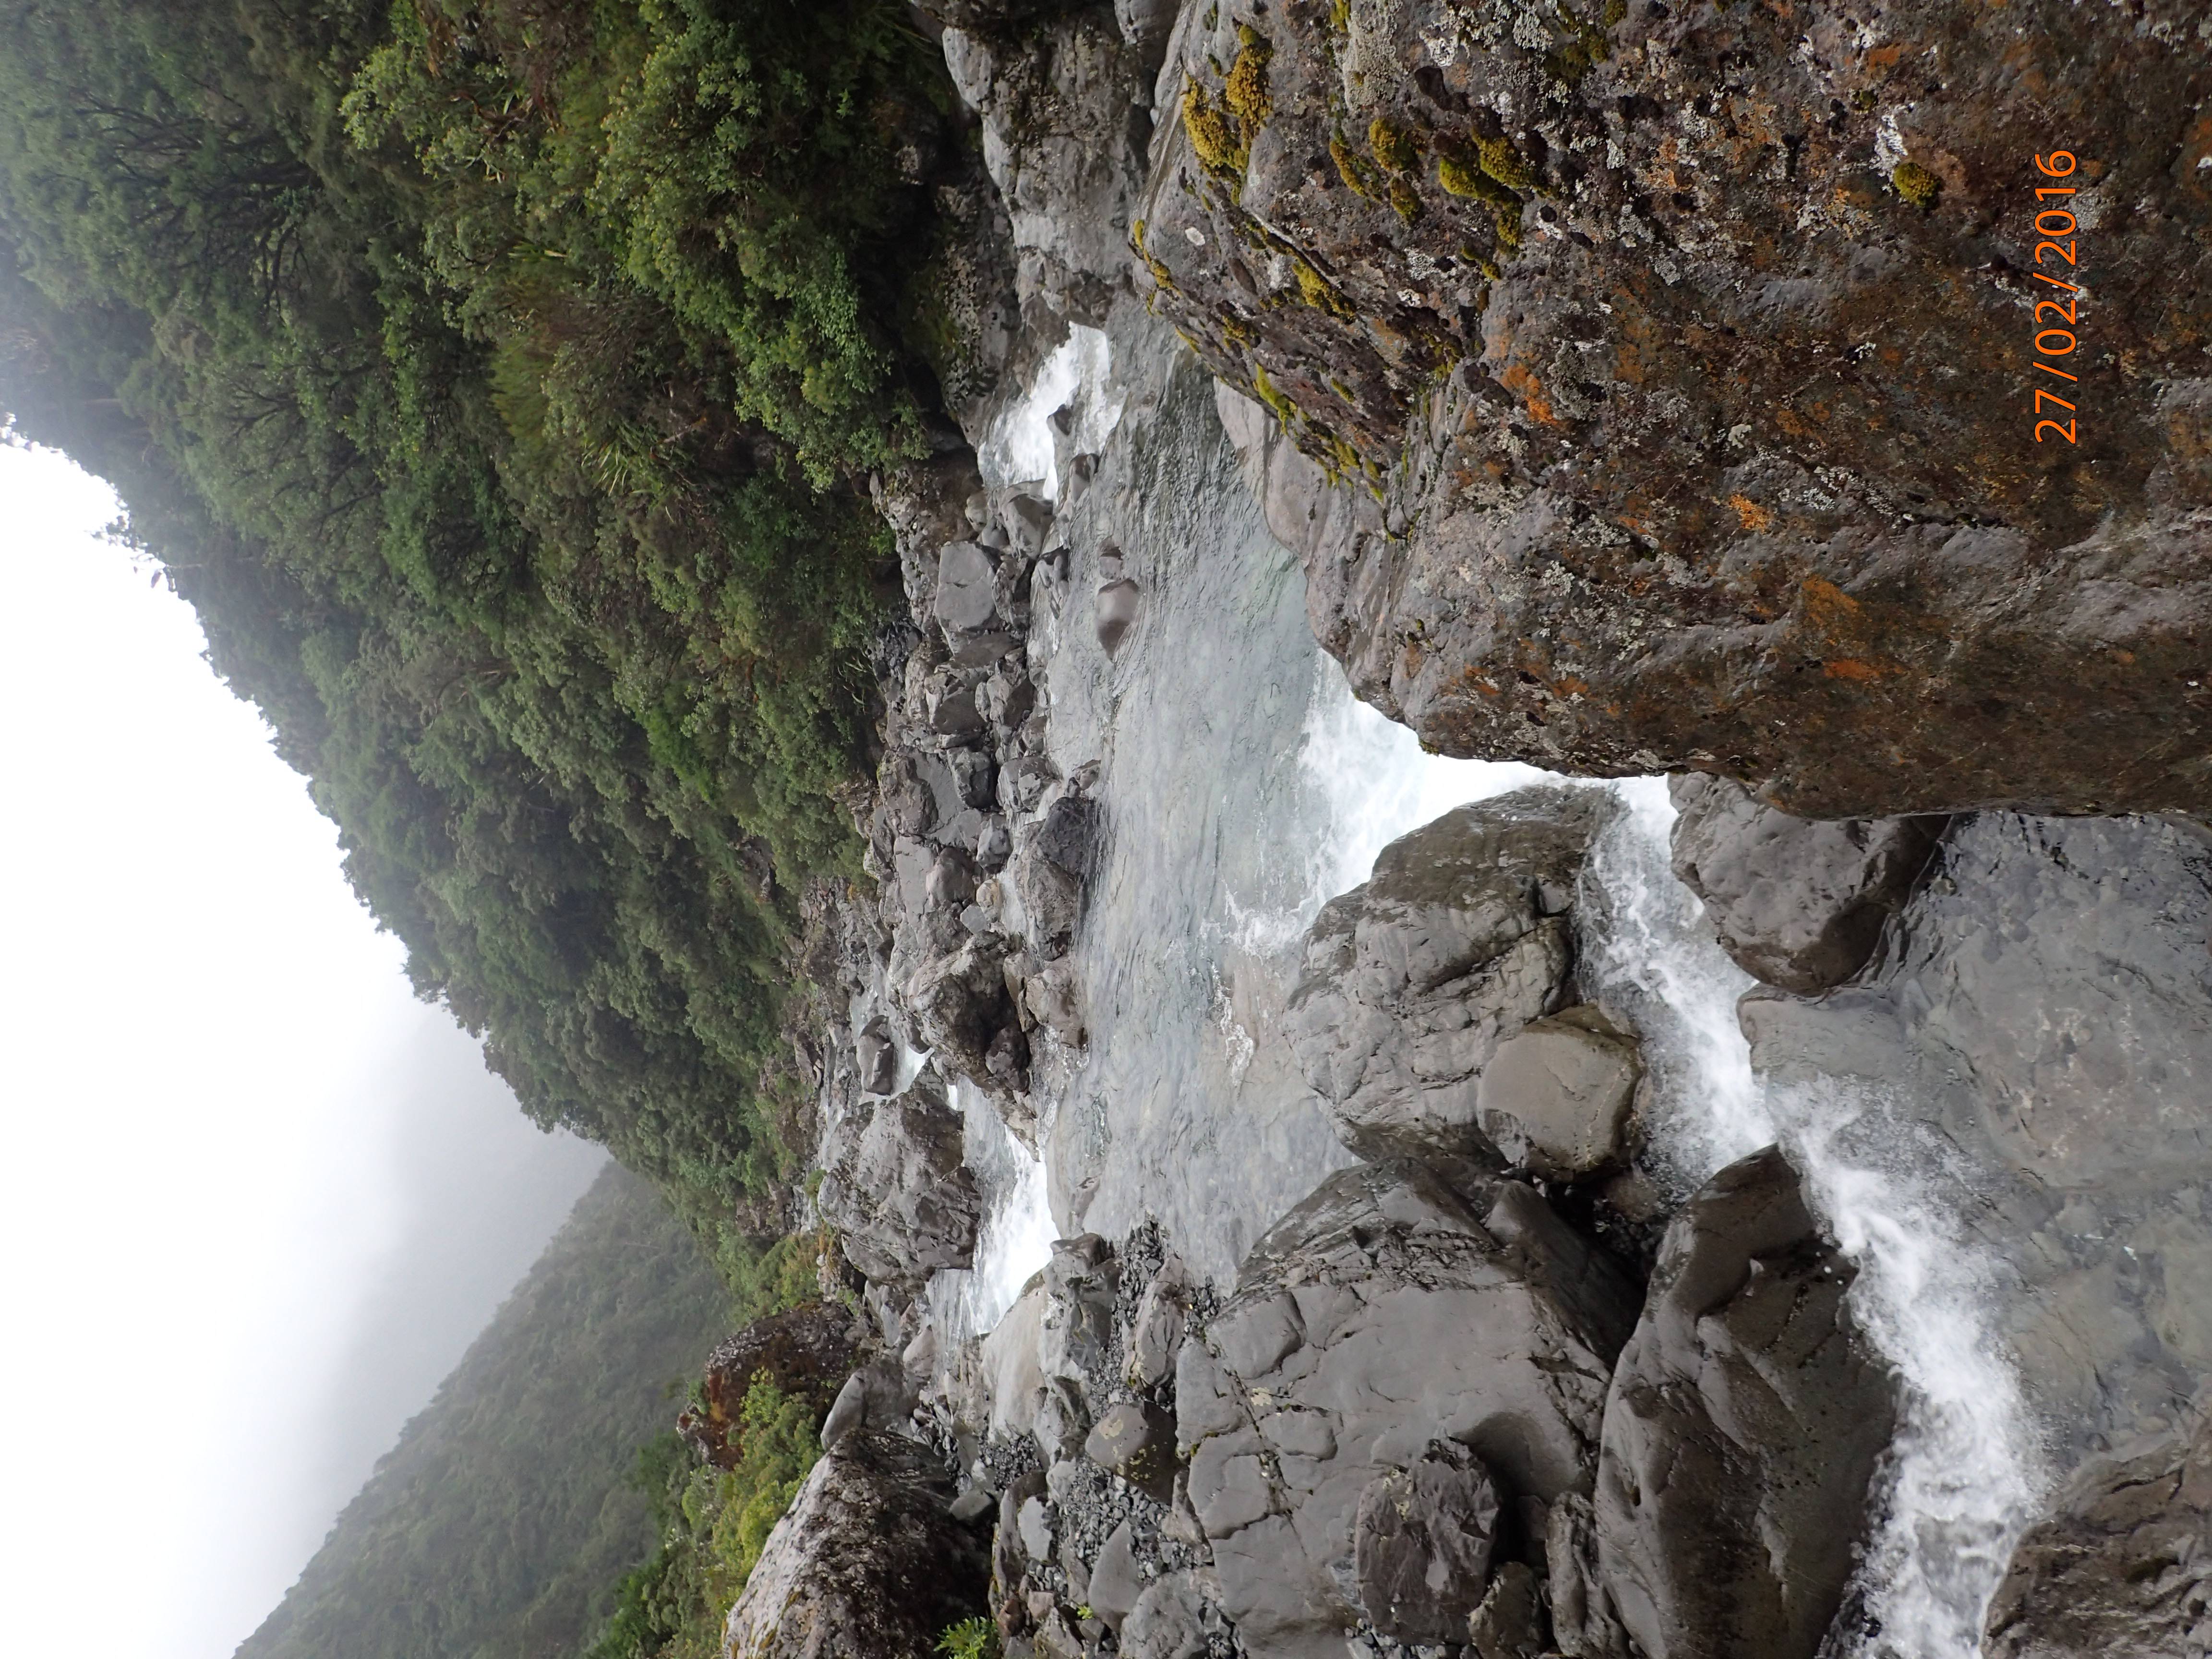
(1265, 389)
(1237, 334)
(1915, 184)
(1393, 146)
(1406, 199)
(1352, 167)
(1245, 91)
(1161, 274)
(1210, 135)
(1504, 163)
(1321, 294)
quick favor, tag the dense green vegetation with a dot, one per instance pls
(713, 1525)
(497, 378)
(497, 1527)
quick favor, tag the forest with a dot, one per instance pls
(499, 381)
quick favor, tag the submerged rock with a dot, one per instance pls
(1412, 979)
(1742, 1431)
(2122, 1566)
(896, 1188)
(1395, 1309)
(1798, 904)
(867, 1563)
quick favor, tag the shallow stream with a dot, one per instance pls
(1243, 788)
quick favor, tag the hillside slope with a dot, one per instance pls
(497, 1527)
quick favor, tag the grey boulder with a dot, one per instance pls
(1422, 1542)
(2122, 1566)
(896, 1186)
(1400, 1305)
(1742, 1429)
(866, 1562)
(1556, 1097)
(1798, 903)
(1412, 980)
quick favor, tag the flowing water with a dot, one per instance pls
(1243, 788)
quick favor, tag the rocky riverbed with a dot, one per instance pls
(1309, 1195)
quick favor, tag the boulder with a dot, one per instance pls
(896, 1188)
(1556, 1097)
(1741, 1431)
(1421, 1544)
(1405, 1308)
(967, 588)
(1412, 980)
(1168, 1622)
(1798, 903)
(1136, 1440)
(1116, 611)
(875, 1057)
(1646, 502)
(2121, 1567)
(959, 1004)
(805, 1351)
(866, 1563)
(1510, 1624)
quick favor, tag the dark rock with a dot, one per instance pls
(1798, 904)
(1582, 1622)
(1656, 512)
(1136, 1440)
(959, 1004)
(1744, 1423)
(1156, 1328)
(1510, 1624)
(1346, 1353)
(1556, 1096)
(2043, 1011)
(1421, 1545)
(805, 1351)
(1063, 1421)
(2122, 1566)
(974, 775)
(865, 1563)
(896, 1186)
(1068, 837)
(1458, 939)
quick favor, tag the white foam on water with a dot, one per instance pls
(1016, 1236)
(1019, 448)
(1964, 1472)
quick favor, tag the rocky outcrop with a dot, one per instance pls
(896, 1188)
(1444, 1332)
(867, 1563)
(2042, 1017)
(1603, 312)
(1741, 1431)
(2122, 1567)
(805, 1351)
(1557, 1096)
(1798, 903)
(1412, 980)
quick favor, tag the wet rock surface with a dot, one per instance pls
(1741, 1432)
(1459, 939)
(866, 1563)
(2123, 1564)
(2045, 1006)
(1397, 1308)
(1606, 310)
(896, 1188)
(1796, 903)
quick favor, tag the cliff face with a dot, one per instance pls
(1684, 356)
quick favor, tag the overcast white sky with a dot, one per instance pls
(255, 1199)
